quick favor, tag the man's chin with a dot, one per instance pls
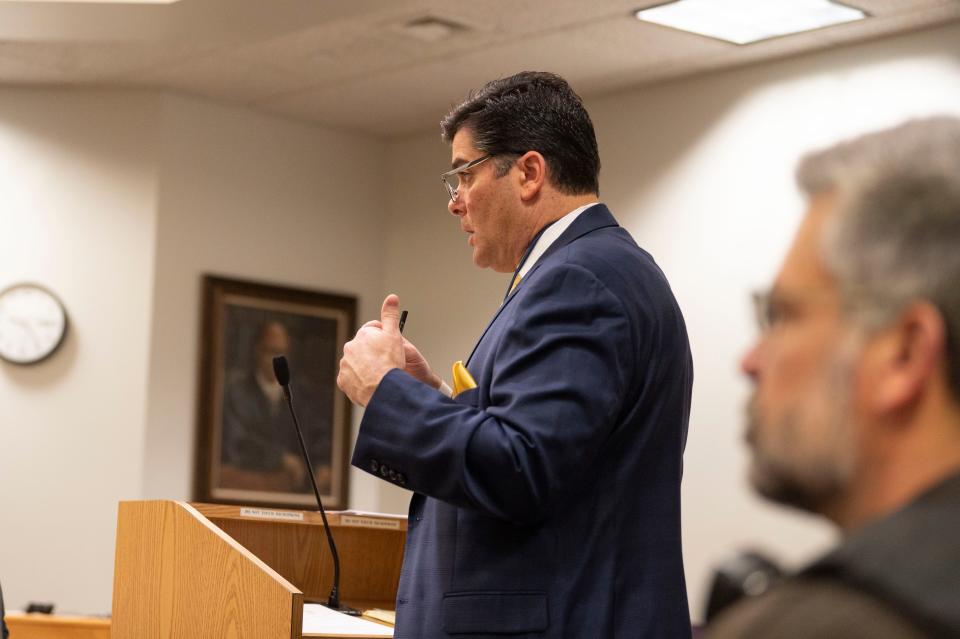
(780, 487)
(484, 261)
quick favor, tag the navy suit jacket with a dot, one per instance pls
(547, 499)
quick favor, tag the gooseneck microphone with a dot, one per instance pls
(282, 372)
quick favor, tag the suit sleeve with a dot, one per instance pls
(560, 377)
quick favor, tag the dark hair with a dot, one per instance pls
(532, 111)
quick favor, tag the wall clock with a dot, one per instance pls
(33, 324)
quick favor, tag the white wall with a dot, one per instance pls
(120, 202)
(701, 172)
(78, 176)
(718, 213)
(249, 196)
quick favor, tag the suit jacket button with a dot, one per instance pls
(393, 475)
(384, 471)
(374, 465)
(401, 479)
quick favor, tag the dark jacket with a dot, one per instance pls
(548, 498)
(897, 578)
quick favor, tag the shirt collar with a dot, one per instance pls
(541, 242)
(548, 237)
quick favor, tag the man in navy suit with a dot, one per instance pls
(547, 487)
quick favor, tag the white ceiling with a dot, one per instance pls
(349, 63)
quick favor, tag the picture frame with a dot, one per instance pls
(248, 452)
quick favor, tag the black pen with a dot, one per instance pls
(403, 319)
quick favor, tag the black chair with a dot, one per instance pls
(748, 574)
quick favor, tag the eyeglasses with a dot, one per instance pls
(764, 310)
(773, 307)
(451, 179)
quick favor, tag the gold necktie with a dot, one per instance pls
(516, 283)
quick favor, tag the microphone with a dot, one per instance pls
(282, 372)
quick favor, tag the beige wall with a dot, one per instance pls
(78, 183)
(702, 173)
(120, 201)
(252, 197)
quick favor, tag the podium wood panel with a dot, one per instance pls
(34, 626)
(177, 576)
(370, 557)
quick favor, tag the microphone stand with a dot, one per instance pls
(334, 600)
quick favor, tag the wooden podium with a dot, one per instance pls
(198, 570)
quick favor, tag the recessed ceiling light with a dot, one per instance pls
(431, 29)
(745, 21)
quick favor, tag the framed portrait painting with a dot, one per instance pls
(247, 447)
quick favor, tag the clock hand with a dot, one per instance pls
(28, 328)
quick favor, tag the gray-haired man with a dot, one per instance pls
(856, 409)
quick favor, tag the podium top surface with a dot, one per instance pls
(342, 518)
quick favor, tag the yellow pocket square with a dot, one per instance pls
(462, 380)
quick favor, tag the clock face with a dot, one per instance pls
(33, 324)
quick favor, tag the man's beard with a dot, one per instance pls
(807, 459)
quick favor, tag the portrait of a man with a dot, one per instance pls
(249, 449)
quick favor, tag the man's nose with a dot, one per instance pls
(750, 363)
(455, 206)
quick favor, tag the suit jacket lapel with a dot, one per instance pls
(596, 217)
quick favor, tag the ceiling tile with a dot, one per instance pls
(348, 63)
(220, 75)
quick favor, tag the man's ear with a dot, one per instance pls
(903, 360)
(533, 174)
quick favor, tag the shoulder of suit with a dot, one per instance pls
(609, 253)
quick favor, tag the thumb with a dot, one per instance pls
(390, 314)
